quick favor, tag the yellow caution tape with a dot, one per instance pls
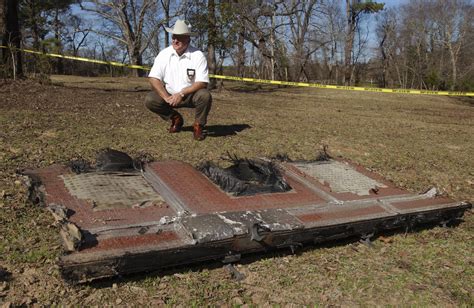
(276, 82)
(351, 88)
(55, 55)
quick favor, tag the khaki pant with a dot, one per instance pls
(201, 100)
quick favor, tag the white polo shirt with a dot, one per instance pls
(176, 71)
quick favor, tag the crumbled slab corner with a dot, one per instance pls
(70, 233)
(34, 186)
(71, 236)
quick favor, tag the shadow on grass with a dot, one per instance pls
(87, 85)
(464, 100)
(252, 88)
(5, 275)
(221, 130)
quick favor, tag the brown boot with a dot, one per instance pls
(198, 132)
(176, 123)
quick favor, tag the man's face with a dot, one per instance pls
(180, 43)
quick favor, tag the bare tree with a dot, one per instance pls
(258, 31)
(229, 37)
(261, 26)
(300, 26)
(75, 34)
(126, 23)
(386, 32)
(451, 23)
(354, 11)
(330, 37)
(426, 44)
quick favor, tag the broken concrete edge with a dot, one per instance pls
(72, 236)
(70, 233)
(97, 265)
(59, 212)
(34, 186)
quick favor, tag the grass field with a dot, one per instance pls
(416, 141)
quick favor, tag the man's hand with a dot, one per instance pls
(174, 100)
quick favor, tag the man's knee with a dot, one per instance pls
(149, 101)
(153, 102)
(203, 96)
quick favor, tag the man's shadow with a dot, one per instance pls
(221, 130)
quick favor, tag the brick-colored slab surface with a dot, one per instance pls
(200, 195)
(84, 215)
(136, 241)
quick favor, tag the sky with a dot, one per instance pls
(391, 3)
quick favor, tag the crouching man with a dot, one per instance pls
(179, 78)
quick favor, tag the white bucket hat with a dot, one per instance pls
(181, 28)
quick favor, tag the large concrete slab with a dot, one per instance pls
(171, 214)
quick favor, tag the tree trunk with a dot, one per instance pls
(241, 53)
(349, 42)
(57, 36)
(12, 37)
(211, 52)
(166, 8)
(136, 59)
(300, 27)
(272, 46)
(3, 20)
(383, 82)
(454, 68)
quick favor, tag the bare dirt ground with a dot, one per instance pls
(415, 141)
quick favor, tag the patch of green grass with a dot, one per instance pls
(31, 256)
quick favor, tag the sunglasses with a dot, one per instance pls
(179, 37)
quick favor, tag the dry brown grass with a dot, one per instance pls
(414, 140)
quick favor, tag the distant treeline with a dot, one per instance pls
(425, 44)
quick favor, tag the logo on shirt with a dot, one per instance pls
(191, 73)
